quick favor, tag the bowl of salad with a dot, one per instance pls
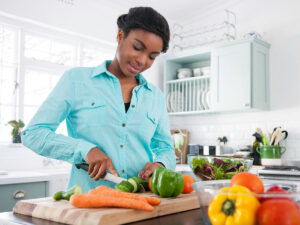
(218, 167)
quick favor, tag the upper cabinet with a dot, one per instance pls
(225, 77)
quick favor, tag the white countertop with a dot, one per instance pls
(26, 176)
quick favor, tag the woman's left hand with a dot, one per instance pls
(149, 169)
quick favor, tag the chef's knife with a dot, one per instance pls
(108, 176)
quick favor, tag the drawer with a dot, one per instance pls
(11, 193)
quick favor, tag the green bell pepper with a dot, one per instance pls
(166, 183)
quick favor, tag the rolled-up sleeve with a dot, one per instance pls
(40, 134)
(162, 143)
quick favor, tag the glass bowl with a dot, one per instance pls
(207, 190)
(217, 167)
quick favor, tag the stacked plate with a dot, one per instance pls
(203, 99)
(175, 101)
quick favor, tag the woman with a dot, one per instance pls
(126, 140)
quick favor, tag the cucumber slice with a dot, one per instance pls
(125, 186)
(134, 184)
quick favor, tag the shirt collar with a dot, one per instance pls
(102, 68)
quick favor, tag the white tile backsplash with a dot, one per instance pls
(239, 127)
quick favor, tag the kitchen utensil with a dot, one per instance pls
(108, 176)
(206, 192)
(64, 213)
(278, 138)
(276, 135)
(284, 135)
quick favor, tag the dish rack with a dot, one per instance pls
(185, 37)
(188, 95)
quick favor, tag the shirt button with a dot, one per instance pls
(133, 106)
(121, 146)
(93, 103)
(123, 171)
(123, 124)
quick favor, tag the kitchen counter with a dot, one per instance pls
(26, 176)
(191, 217)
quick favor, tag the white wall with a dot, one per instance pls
(278, 22)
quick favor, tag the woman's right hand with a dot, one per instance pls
(99, 163)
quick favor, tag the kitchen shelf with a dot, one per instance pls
(238, 79)
(188, 79)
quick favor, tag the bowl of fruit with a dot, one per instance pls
(248, 200)
(218, 167)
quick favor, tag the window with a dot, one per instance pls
(30, 66)
(8, 78)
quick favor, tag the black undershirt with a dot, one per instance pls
(127, 106)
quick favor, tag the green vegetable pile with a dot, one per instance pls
(133, 184)
(218, 169)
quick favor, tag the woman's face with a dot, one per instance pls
(137, 51)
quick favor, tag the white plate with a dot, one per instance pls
(208, 99)
(177, 101)
(168, 102)
(199, 100)
(204, 99)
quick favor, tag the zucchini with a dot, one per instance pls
(76, 189)
(134, 184)
(125, 186)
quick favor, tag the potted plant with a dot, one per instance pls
(16, 131)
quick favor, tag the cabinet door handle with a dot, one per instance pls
(19, 194)
(246, 104)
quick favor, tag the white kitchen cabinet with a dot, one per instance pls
(238, 79)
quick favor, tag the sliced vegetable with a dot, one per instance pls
(104, 200)
(233, 207)
(125, 186)
(166, 183)
(76, 189)
(134, 183)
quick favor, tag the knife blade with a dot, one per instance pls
(108, 176)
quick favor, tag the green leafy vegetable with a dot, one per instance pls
(218, 169)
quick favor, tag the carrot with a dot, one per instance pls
(115, 193)
(103, 200)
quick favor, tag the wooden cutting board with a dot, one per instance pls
(63, 212)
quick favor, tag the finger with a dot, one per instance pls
(101, 172)
(145, 169)
(95, 170)
(149, 171)
(91, 168)
(112, 170)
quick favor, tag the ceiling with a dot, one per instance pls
(172, 10)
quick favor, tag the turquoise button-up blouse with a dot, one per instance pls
(90, 100)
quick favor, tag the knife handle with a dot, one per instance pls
(82, 166)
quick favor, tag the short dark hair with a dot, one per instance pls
(148, 19)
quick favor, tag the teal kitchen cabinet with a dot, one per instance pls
(237, 78)
(11, 193)
(240, 76)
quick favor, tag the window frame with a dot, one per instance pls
(23, 27)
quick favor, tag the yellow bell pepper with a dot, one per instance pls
(233, 206)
